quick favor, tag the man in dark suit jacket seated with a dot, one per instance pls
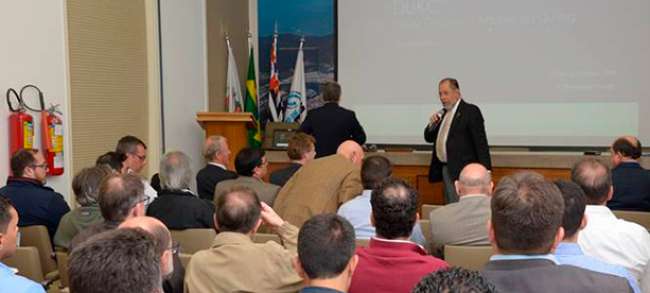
(332, 124)
(631, 181)
(217, 154)
(300, 151)
(525, 229)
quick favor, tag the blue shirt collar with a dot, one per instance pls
(5, 269)
(523, 257)
(568, 249)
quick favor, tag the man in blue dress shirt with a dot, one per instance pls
(569, 252)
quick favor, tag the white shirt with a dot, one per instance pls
(443, 133)
(218, 165)
(615, 241)
(150, 192)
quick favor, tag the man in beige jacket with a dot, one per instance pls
(322, 185)
(235, 263)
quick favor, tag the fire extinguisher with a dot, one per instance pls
(21, 124)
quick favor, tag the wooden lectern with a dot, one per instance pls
(232, 126)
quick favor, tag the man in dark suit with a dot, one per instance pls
(300, 151)
(525, 229)
(458, 134)
(631, 181)
(217, 154)
(332, 124)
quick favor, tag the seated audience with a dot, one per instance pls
(85, 186)
(36, 203)
(113, 160)
(322, 185)
(463, 222)
(454, 279)
(171, 268)
(121, 196)
(176, 205)
(568, 252)
(606, 237)
(251, 165)
(525, 228)
(217, 154)
(235, 263)
(374, 170)
(332, 124)
(10, 282)
(326, 256)
(117, 261)
(136, 159)
(391, 263)
(301, 150)
(631, 182)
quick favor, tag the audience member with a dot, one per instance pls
(121, 196)
(85, 186)
(606, 237)
(171, 268)
(234, 263)
(322, 185)
(117, 261)
(300, 151)
(631, 182)
(568, 252)
(252, 166)
(36, 203)
(10, 282)
(176, 205)
(217, 156)
(463, 222)
(524, 229)
(332, 124)
(136, 159)
(391, 263)
(113, 160)
(326, 256)
(454, 280)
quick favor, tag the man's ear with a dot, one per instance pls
(257, 225)
(610, 194)
(558, 238)
(297, 266)
(352, 264)
(372, 219)
(584, 222)
(457, 186)
(216, 223)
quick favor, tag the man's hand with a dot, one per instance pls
(435, 118)
(269, 217)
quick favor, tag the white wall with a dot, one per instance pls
(185, 91)
(34, 51)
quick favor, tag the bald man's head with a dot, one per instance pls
(626, 148)
(474, 179)
(352, 151)
(160, 234)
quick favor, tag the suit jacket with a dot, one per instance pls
(331, 125)
(179, 210)
(466, 142)
(540, 275)
(280, 177)
(631, 188)
(320, 186)
(235, 264)
(266, 192)
(461, 223)
(208, 177)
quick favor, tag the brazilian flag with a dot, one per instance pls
(250, 105)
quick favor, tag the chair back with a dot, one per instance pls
(641, 218)
(62, 262)
(426, 210)
(266, 237)
(362, 242)
(185, 259)
(468, 257)
(193, 240)
(425, 225)
(28, 263)
(37, 236)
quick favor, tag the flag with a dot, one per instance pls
(275, 105)
(254, 134)
(297, 99)
(234, 100)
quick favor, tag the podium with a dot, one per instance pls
(232, 126)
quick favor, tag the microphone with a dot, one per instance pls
(439, 115)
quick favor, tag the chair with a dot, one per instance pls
(193, 240)
(62, 262)
(37, 236)
(425, 225)
(266, 237)
(185, 259)
(426, 210)
(468, 257)
(362, 242)
(641, 218)
(28, 263)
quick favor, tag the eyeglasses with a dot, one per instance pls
(44, 166)
(176, 248)
(142, 158)
(144, 199)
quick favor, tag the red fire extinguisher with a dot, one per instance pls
(52, 139)
(21, 125)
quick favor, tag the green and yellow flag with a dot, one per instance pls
(254, 134)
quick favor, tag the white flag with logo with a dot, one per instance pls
(296, 110)
(234, 98)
